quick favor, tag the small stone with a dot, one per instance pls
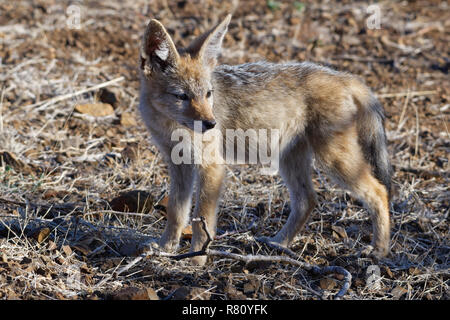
(95, 109)
(128, 120)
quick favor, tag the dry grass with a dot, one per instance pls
(68, 165)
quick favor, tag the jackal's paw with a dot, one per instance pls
(168, 245)
(274, 241)
(374, 252)
(198, 261)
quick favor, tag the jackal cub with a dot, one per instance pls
(317, 112)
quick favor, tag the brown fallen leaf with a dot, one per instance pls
(388, 272)
(327, 284)
(84, 249)
(9, 159)
(414, 271)
(398, 292)
(52, 246)
(133, 201)
(42, 235)
(67, 250)
(339, 232)
(95, 109)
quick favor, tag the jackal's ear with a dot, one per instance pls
(158, 51)
(207, 46)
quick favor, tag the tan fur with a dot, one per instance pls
(319, 112)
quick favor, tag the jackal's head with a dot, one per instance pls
(178, 82)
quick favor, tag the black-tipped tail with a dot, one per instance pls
(374, 143)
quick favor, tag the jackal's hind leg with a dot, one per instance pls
(295, 169)
(342, 157)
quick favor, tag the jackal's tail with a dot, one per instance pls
(372, 135)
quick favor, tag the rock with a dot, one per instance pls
(128, 120)
(95, 109)
(133, 201)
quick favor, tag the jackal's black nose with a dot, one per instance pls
(208, 124)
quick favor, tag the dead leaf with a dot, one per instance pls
(52, 246)
(398, 292)
(414, 271)
(388, 272)
(85, 250)
(9, 159)
(95, 109)
(67, 250)
(42, 235)
(327, 284)
(339, 232)
(133, 201)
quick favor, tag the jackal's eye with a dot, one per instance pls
(182, 96)
(208, 94)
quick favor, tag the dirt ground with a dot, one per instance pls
(72, 170)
